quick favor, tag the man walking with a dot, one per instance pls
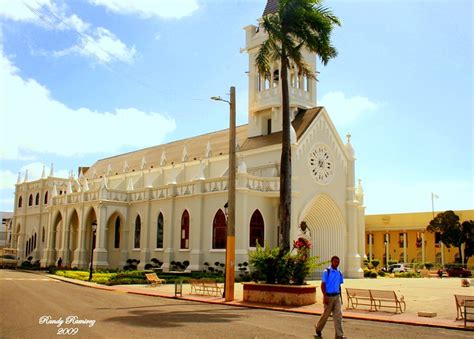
(331, 287)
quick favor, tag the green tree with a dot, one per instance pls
(297, 25)
(453, 233)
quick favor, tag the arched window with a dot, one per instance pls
(30, 200)
(185, 230)
(138, 227)
(34, 241)
(20, 201)
(117, 233)
(159, 231)
(257, 229)
(219, 230)
(43, 235)
(37, 199)
(46, 198)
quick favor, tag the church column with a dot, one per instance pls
(169, 228)
(80, 252)
(100, 251)
(145, 233)
(196, 246)
(353, 267)
(48, 253)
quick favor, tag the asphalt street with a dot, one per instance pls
(34, 306)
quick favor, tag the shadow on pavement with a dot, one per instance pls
(156, 318)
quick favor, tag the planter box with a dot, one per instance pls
(288, 295)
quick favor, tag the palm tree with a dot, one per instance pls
(295, 26)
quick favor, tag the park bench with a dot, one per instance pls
(358, 297)
(460, 300)
(153, 279)
(381, 298)
(468, 311)
(205, 287)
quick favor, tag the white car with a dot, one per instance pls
(397, 268)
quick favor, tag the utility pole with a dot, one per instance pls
(230, 229)
(230, 245)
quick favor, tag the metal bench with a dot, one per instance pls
(381, 298)
(153, 279)
(460, 300)
(205, 287)
(468, 311)
(359, 297)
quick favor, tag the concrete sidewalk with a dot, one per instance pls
(421, 295)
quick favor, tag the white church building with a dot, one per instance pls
(167, 201)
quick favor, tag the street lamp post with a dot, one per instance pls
(230, 243)
(94, 228)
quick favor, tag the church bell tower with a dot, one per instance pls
(265, 91)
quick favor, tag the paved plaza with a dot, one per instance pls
(421, 295)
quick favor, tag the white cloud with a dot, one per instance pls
(33, 122)
(23, 10)
(7, 179)
(343, 109)
(148, 8)
(103, 46)
(97, 43)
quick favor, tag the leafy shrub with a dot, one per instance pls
(373, 274)
(375, 262)
(381, 273)
(429, 265)
(274, 266)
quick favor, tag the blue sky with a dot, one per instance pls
(84, 80)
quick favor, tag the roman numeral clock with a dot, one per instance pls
(321, 164)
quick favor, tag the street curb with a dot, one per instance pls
(245, 305)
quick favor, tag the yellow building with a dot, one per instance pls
(405, 238)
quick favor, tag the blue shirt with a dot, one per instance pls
(333, 280)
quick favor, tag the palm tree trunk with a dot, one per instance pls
(285, 166)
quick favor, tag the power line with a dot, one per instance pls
(111, 55)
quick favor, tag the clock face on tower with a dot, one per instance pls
(321, 164)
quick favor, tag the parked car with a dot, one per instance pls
(397, 268)
(458, 272)
(8, 261)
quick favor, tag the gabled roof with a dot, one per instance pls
(271, 7)
(196, 147)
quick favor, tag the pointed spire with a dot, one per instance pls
(143, 165)
(163, 158)
(130, 185)
(349, 146)
(26, 176)
(85, 188)
(125, 166)
(208, 149)
(103, 183)
(359, 192)
(55, 191)
(109, 169)
(293, 138)
(69, 187)
(81, 174)
(43, 174)
(185, 155)
(18, 181)
(51, 170)
(78, 184)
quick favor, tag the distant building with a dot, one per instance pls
(6, 229)
(167, 202)
(405, 238)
